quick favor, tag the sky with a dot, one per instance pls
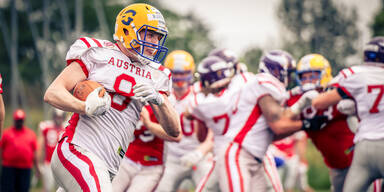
(241, 24)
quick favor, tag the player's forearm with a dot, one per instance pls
(157, 130)
(167, 117)
(286, 124)
(62, 99)
(326, 99)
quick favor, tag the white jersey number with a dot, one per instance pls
(123, 87)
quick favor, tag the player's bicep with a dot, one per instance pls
(70, 76)
(270, 108)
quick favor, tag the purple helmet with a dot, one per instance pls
(278, 63)
(212, 71)
(374, 50)
(225, 54)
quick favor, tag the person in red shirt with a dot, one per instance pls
(50, 131)
(2, 109)
(142, 166)
(18, 147)
(334, 141)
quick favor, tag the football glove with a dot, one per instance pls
(147, 93)
(95, 105)
(315, 124)
(192, 158)
(346, 107)
(304, 101)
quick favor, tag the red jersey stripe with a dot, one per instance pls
(252, 119)
(72, 169)
(70, 129)
(82, 65)
(86, 42)
(97, 42)
(89, 163)
(351, 70)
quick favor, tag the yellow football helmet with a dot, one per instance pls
(182, 65)
(135, 18)
(314, 63)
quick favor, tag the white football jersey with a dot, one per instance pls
(107, 135)
(216, 110)
(248, 126)
(365, 84)
(189, 141)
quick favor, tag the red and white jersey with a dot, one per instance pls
(215, 111)
(1, 84)
(206, 108)
(287, 146)
(240, 79)
(334, 140)
(365, 84)
(50, 134)
(102, 61)
(189, 141)
(146, 149)
(248, 126)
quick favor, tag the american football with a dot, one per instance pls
(84, 88)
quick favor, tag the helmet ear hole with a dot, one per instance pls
(126, 32)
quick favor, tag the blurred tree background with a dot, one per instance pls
(39, 33)
(318, 26)
(35, 36)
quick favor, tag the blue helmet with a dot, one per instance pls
(374, 50)
(213, 71)
(278, 63)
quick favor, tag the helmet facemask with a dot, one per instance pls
(139, 45)
(317, 68)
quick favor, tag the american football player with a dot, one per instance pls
(214, 119)
(143, 164)
(50, 131)
(89, 153)
(257, 118)
(335, 139)
(186, 158)
(364, 84)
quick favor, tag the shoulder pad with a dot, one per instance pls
(82, 44)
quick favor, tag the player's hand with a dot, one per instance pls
(192, 158)
(346, 107)
(315, 124)
(95, 105)
(304, 101)
(147, 93)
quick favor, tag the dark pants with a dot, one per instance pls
(15, 179)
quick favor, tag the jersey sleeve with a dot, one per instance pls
(81, 49)
(347, 82)
(1, 85)
(265, 84)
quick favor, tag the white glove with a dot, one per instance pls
(147, 93)
(353, 123)
(304, 101)
(191, 158)
(308, 87)
(95, 105)
(346, 107)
